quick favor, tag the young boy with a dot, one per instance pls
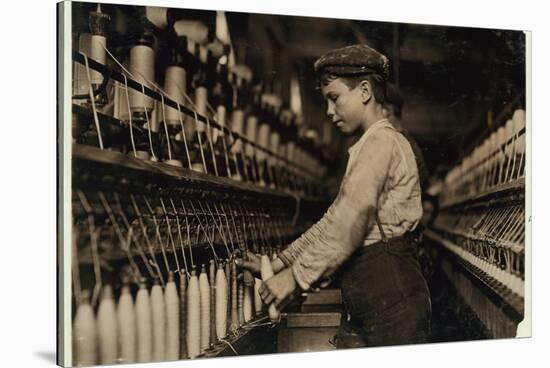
(367, 230)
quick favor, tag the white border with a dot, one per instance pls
(67, 183)
(525, 327)
(28, 181)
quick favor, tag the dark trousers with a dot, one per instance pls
(385, 295)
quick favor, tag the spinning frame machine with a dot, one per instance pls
(481, 224)
(169, 184)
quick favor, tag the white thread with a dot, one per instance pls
(157, 231)
(200, 144)
(147, 240)
(124, 243)
(130, 116)
(166, 128)
(180, 237)
(229, 344)
(188, 233)
(170, 234)
(209, 137)
(184, 139)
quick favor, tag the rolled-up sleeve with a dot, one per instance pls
(328, 243)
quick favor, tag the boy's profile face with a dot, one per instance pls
(344, 105)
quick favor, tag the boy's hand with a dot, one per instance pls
(252, 263)
(278, 288)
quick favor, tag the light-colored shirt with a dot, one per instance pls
(381, 176)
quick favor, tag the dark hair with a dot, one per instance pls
(376, 81)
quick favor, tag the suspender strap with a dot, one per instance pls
(382, 234)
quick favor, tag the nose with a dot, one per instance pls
(330, 109)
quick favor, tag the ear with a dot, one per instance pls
(366, 91)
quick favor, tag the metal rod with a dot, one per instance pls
(130, 231)
(180, 237)
(170, 234)
(152, 261)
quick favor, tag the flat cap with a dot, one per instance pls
(355, 59)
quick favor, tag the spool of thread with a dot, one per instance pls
(203, 54)
(480, 168)
(175, 84)
(228, 278)
(263, 140)
(193, 316)
(212, 282)
(158, 311)
(204, 290)
(237, 125)
(155, 117)
(222, 29)
(127, 327)
(80, 84)
(240, 302)
(201, 96)
(257, 299)
(157, 15)
(142, 65)
(519, 124)
(172, 320)
(98, 44)
(251, 132)
(183, 314)
(144, 325)
(198, 167)
(221, 117)
(121, 109)
(486, 164)
(84, 333)
(492, 160)
(274, 146)
(195, 31)
(173, 162)
(291, 151)
(191, 45)
(221, 114)
(190, 123)
(216, 47)
(501, 139)
(221, 303)
(267, 273)
(510, 147)
(519, 119)
(248, 303)
(234, 298)
(107, 328)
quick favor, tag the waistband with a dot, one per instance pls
(397, 244)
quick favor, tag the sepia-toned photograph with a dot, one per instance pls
(235, 183)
